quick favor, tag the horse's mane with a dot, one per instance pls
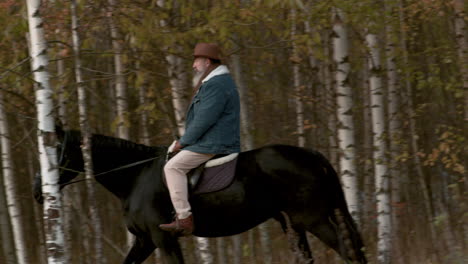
(108, 142)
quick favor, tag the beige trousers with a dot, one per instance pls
(176, 170)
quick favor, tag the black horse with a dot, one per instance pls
(270, 182)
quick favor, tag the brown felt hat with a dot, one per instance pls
(207, 50)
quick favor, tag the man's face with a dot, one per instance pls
(200, 64)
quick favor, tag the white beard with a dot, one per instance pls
(196, 77)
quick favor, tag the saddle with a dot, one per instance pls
(213, 175)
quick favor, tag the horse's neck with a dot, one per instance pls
(113, 169)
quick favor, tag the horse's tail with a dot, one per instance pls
(346, 246)
(351, 244)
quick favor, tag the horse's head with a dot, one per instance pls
(69, 160)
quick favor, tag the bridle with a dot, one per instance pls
(109, 171)
(126, 166)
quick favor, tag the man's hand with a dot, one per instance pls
(177, 146)
(174, 147)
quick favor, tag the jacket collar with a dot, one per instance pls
(221, 69)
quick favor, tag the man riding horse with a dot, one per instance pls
(212, 127)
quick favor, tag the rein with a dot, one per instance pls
(109, 171)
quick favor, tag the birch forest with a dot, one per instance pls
(380, 87)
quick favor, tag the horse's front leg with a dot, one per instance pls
(141, 249)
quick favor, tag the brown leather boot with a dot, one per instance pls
(182, 227)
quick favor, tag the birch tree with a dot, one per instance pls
(178, 82)
(178, 77)
(6, 235)
(297, 84)
(47, 139)
(86, 138)
(119, 70)
(344, 101)
(19, 250)
(382, 178)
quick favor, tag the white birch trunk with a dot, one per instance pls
(203, 247)
(6, 234)
(346, 142)
(86, 139)
(119, 69)
(16, 251)
(297, 85)
(178, 80)
(47, 140)
(382, 178)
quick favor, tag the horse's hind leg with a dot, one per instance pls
(141, 249)
(329, 233)
(297, 239)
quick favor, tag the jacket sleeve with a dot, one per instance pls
(208, 110)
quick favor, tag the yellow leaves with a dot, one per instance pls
(308, 125)
(295, 59)
(444, 147)
(403, 157)
(448, 151)
(432, 158)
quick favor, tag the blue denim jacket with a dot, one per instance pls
(213, 118)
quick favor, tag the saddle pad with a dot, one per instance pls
(216, 178)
